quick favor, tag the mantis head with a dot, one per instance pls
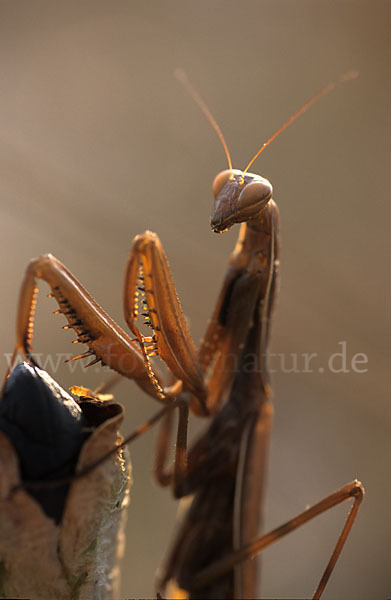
(239, 196)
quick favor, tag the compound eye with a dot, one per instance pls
(219, 182)
(255, 195)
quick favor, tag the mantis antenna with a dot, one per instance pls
(183, 79)
(325, 90)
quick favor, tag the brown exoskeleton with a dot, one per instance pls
(226, 379)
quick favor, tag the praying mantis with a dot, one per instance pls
(226, 380)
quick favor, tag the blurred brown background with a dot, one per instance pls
(98, 142)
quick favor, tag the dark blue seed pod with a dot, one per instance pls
(47, 429)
